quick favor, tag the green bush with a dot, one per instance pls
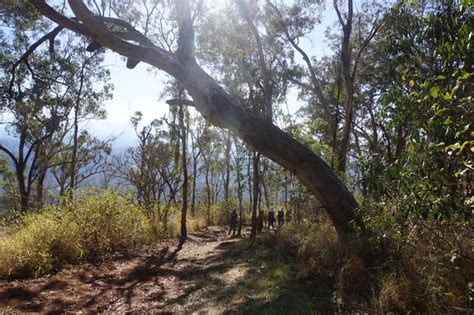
(314, 246)
(87, 229)
(425, 264)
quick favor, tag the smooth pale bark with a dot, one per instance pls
(222, 110)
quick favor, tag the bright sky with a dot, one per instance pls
(139, 89)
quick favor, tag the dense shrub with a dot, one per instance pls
(86, 229)
(426, 264)
(315, 247)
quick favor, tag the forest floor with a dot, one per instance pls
(211, 274)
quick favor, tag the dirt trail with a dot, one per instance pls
(211, 274)
(161, 280)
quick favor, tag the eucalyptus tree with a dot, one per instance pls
(211, 100)
(150, 168)
(179, 136)
(335, 100)
(208, 140)
(92, 157)
(421, 117)
(48, 86)
(80, 155)
(38, 85)
(248, 67)
(195, 153)
(239, 165)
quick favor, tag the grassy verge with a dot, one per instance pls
(88, 229)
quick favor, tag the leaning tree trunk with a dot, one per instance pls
(216, 105)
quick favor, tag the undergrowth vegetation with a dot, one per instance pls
(86, 229)
(424, 265)
(90, 228)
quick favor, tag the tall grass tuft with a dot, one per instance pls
(89, 228)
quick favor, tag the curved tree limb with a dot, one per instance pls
(222, 110)
(24, 58)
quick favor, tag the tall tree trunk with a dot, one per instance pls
(193, 193)
(208, 191)
(227, 166)
(239, 177)
(73, 171)
(23, 187)
(348, 84)
(249, 179)
(256, 175)
(184, 165)
(40, 190)
(265, 191)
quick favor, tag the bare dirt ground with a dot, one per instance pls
(211, 274)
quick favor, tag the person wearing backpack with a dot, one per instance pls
(280, 217)
(233, 221)
(271, 218)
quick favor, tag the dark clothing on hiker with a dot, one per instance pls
(233, 222)
(280, 217)
(271, 218)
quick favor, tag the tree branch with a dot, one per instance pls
(50, 36)
(375, 28)
(267, 93)
(175, 102)
(317, 89)
(339, 16)
(10, 154)
(186, 31)
(97, 31)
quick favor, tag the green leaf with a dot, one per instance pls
(465, 76)
(434, 91)
(447, 96)
(411, 83)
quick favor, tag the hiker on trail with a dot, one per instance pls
(271, 218)
(281, 217)
(233, 221)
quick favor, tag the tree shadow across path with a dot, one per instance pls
(211, 273)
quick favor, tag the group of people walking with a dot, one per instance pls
(269, 219)
(262, 219)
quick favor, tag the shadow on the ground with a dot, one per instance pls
(266, 285)
(233, 278)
